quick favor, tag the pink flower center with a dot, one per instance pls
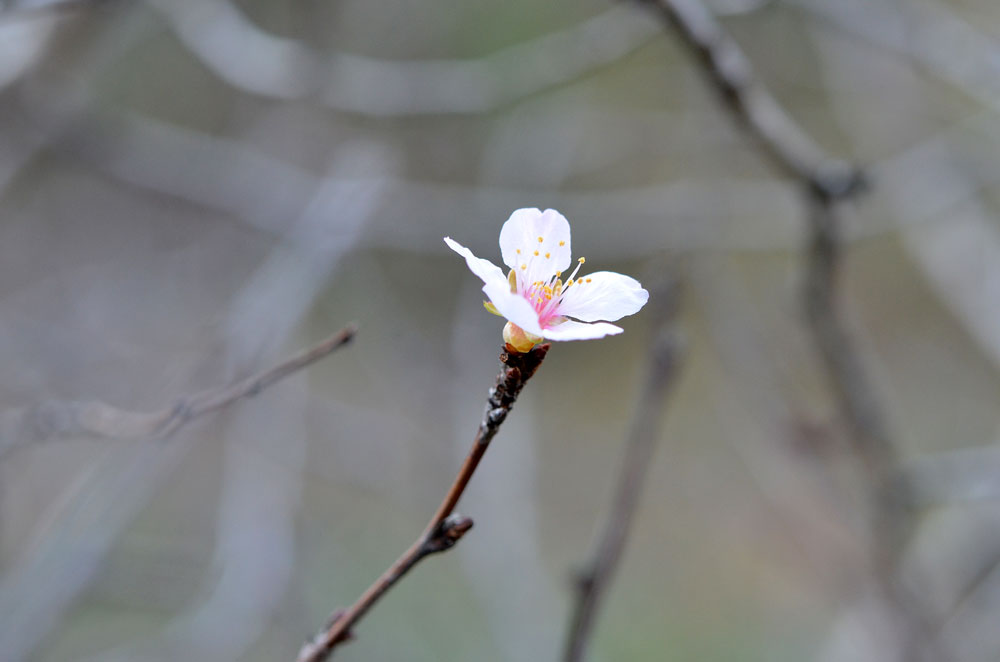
(547, 296)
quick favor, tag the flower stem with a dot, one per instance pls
(446, 527)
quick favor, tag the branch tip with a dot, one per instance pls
(349, 331)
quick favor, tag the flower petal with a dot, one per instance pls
(521, 233)
(603, 295)
(570, 330)
(486, 270)
(512, 306)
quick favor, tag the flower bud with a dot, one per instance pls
(518, 338)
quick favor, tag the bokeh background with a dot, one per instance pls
(191, 190)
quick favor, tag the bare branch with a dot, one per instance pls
(261, 63)
(890, 495)
(931, 34)
(788, 145)
(594, 581)
(50, 419)
(445, 528)
(827, 182)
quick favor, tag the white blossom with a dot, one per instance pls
(537, 303)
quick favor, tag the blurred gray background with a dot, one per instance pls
(191, 190)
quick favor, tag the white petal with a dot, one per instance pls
(515, 308)
(570, 330)
(485, 269)
(512, 306)
(521, 233)
(603, 295)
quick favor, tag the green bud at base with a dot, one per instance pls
(518, 338)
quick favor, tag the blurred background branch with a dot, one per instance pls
(593, 580)
(71, 419)
(826, 183)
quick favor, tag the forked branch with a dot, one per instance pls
(753, 105)
(59, 418)
(827, 183)
(446, 527)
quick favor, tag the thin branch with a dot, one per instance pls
(891, 494)
(594, 581)
(857, 400)
(261, 63)
(827, 183)
(50, 419)
(753, 105)
(446, 527)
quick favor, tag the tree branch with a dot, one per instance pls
(593, 582)
(446, 527)
(753, 105)
(264, 64)
(57, 418)
(827, 183)
(891, 495)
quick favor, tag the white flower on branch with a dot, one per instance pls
(533, 297)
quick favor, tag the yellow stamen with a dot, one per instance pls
(536, 253)
(580, 262)
(548, 255)
(562, 243)
(518, 251)
(588, 280)
(541, 239)
(523, 267)
(512, 279)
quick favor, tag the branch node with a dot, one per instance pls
(447, 533)
(496, 416)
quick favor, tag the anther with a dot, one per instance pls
(548, 255)
(541, 239)
(580, 262)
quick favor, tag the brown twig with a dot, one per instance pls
(891, 491)
(57, 418)
(446, 527)
(891, 494)
(593, 582)
(827, 182)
